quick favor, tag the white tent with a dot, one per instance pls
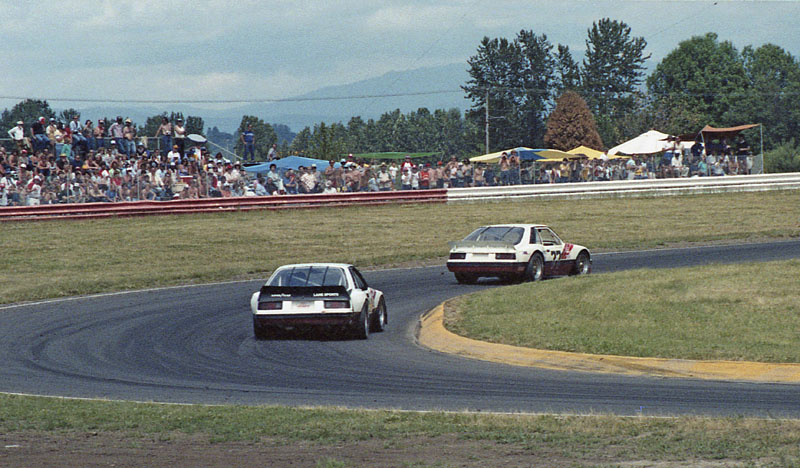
(646, 143)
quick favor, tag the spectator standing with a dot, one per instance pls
(128, 137)
(505, 169)
(385, 182)
(425, 177)
(100, 134)
(115, 132)
(249, 141)
(88, 135)
(40, 140)
(273, 153)
(17, 134)
(51, 130)
(165, 132)
(179, 134)
(79, 143)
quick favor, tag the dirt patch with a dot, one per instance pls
(89, 450)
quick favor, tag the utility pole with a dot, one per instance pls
(487, 121)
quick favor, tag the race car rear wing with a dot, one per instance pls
(288, 293)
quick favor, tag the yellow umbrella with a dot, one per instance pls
(588, 152)
(556, 155)
(494, 157)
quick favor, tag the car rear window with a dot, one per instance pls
(507, 234)
(309, 276)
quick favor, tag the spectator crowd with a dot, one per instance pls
(54, 162)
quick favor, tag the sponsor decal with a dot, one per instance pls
(566, 251)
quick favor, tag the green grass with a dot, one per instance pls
(65, 258)
(737, 312)
(579, 437)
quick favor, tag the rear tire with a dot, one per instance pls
(380, 319)
(535, 269)
(582, 264)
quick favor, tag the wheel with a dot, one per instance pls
(535, 269)
(361, 328)
(464, 278)
(582, 264)
(380, 319)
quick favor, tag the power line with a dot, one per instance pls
(229, 101)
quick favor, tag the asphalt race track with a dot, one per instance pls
(195, 345)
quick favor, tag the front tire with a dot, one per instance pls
(380, 319)
(535, 269)
(582, 264)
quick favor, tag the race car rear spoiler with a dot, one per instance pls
(304, 292)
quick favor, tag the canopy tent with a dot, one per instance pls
(586, 151)
(649, 142)
(290, 162)
(726, 132)
(525, 154)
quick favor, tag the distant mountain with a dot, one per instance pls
(433, 87)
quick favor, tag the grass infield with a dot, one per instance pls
(598, 440)
(731, 312)
(67, 258)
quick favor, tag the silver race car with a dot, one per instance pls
(516, 252)
(332, 295)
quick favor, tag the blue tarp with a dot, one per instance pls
(290, 162)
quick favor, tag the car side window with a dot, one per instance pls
(549, 237)
(359, 281)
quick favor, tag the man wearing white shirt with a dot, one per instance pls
(17, 134)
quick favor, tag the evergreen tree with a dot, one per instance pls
(571, 124)
(612, 71)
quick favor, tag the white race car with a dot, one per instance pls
(318, 294)
(516, 251)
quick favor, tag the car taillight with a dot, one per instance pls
(505, 256)
(458, 255)
(271, 305)
(337, 304)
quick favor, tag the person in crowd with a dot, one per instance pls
(100, 134)
(260, 190)
(115, 133)
(39, 138)
(248, 139)
(17, 134)
(179, 136)
(273, 153)
(164, 131)
(275, 180)
(87, 132)
(79, 142)
(290, 182)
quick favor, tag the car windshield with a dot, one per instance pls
(509, 234)
(309, 276)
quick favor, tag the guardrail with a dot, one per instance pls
(630, 188)
(217, 205)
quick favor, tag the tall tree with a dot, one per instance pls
(324, 143)
(702, 75)
(568, 73)
(516, 77)
(772, 97)
(194, 124)
(28, 111)
(302, 142)
(612, 71)
(571, 124)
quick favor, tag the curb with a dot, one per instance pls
(432, 334)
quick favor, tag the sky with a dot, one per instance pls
(249, 51)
